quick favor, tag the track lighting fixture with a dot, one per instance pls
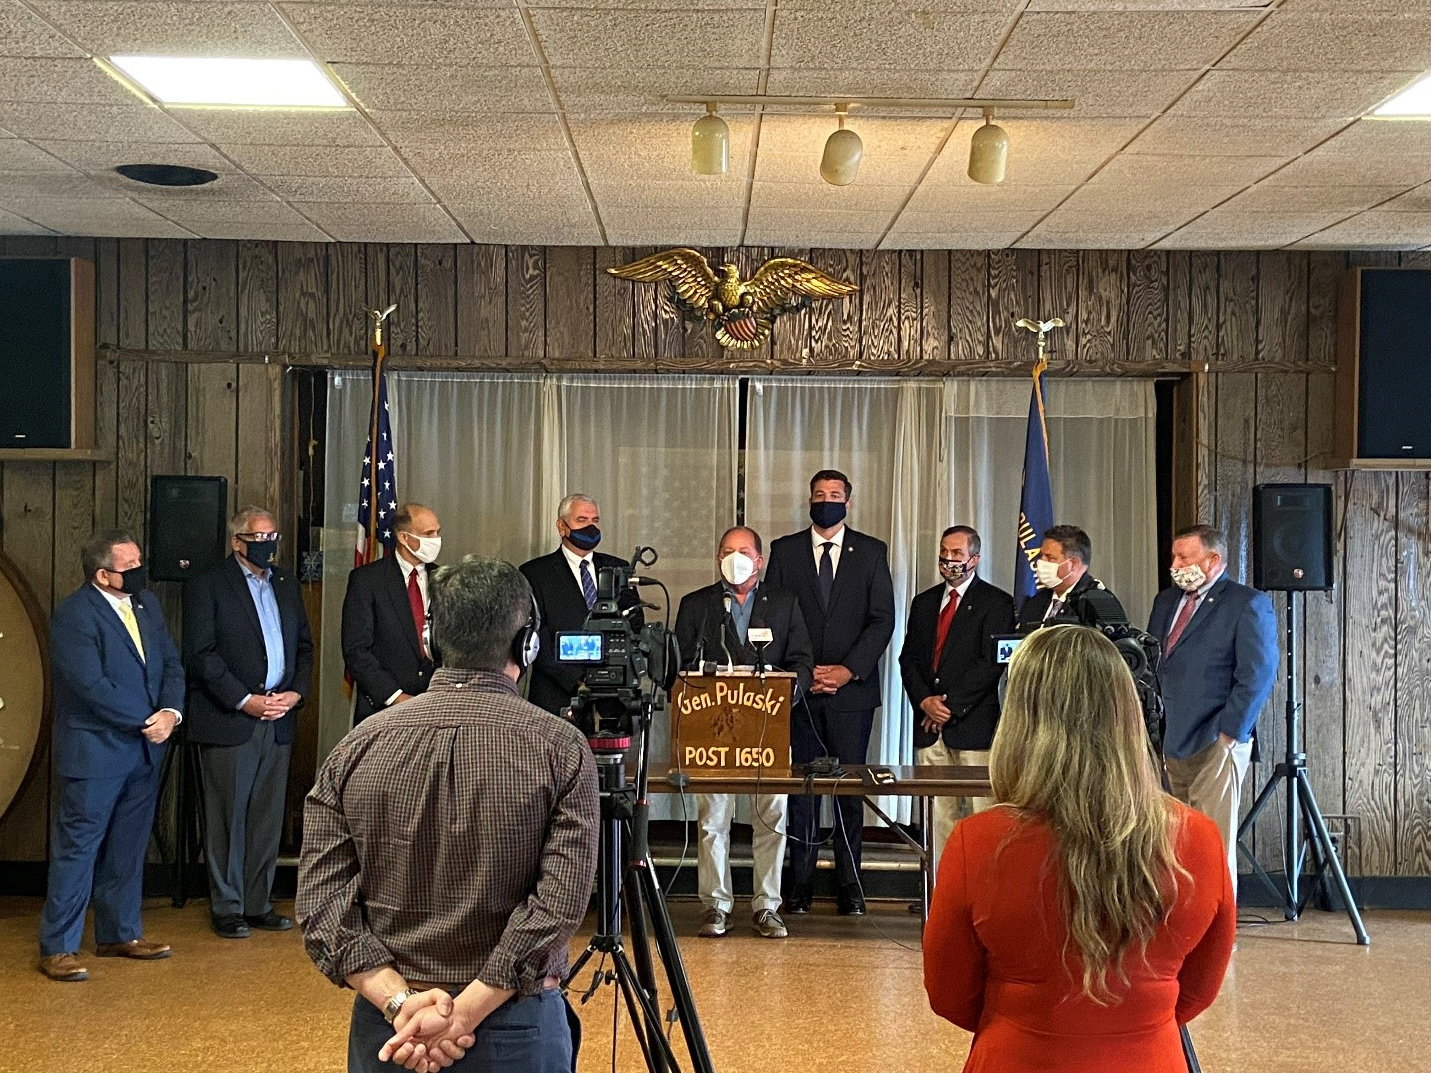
(710, 143)
(989, 152)
(840, 162)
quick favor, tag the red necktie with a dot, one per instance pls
(1185, 614)
(941, 632)
(419, 616)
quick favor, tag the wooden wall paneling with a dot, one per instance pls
(402, 290)
(348, 322)
(644, 315)
(789, 343)
(1058, 297)
(132, 433)
(835, 325)
(257, 297)
(106, 378)
(968, 305)
(436, 299)
(28, 245)
(260, 464)
(482, 301)
(74, 523)
(1179, 305)
(211, 296)
(571, 306)
(934, 307)
(612, 308)
(669, 331)
(879, 308)
(1146, 338)
(165, 418)
(1236, 441)
(1102, 304)
(164, 274)
(526, 302)
(1202, 349)
(212, 430)
(303, 298)
(379, 290)
(1013, 293)
(1413, 676)
(911, 285)
(1370, 638)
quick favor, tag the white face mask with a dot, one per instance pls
(1046, 574)
(1189, 578)
(737, 569)
(428, 548)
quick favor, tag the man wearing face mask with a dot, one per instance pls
(387, 645)
(1218, 667)
(117, 687)
(714, 623)
(951, 672)
(1067, 592)
(249, 654)
(564, 584)
(841, 579)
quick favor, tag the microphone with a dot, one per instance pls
(759, 637)
(729, 659)
(634, 581)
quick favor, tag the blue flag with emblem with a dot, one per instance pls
(1036, 497)
(377, 493)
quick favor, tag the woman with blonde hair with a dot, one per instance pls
(1078, 923)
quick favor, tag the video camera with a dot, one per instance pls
(1141, 651)
(626, 670)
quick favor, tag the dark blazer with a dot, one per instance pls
(563, 607)
(381, 649)
(1221, 672)
(225, 654)
(968, 673)
(702, 615)
(102, 691)
(855, 629)
(1087, 603)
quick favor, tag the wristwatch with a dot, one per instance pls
(394, 1004)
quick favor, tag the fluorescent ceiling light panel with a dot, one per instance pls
(1414, 100)
(228, 82)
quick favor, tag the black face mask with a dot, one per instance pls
(260, 553)
(827, 514)
(586, 538)
(135, 580)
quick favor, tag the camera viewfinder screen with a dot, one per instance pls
(1004, 646)
(579, 647)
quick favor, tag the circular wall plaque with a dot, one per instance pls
(24, 696)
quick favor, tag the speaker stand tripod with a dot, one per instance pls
(1305, 830)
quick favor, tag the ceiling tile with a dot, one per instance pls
(487, 216)
(896, 151)
(1018, 221)
(1122, 41)
(668, 194)
(1318, 169)
(337, 160)
(675, 225)
(1295, 199)
(260, 230)
(102, 156)
(675, 39)
(818, 194)
(644, 236)
(1149, 169)
(1309, 42)
(813, 82)
(196, 213)
(226, 188)
(388, 223)
(896, 37)
(1143, 5)
(969, 196)
(814, 240)
(168, 28)
(118, 219)
(23, 34)
(1115, 200)
(1156, 220)
(792, 221)
(279, 126)
(137, 122)
(1250, 136)
(1416, 200)
(1042, 152)
(494, 133)
(1094, 93)
(1297, 92)
(372, 190)
(440, 34)
(1378, 229)
(1242, 230)
(600, 91)
(951, 240)
(519, 184)
(1092, 238)
(651, 147)
(72, 186)
(21, 158)
(474, 89)
(1377, 139)
(60, 81)
(10, 224)
(641, 5)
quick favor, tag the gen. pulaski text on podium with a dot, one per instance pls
(731, 723)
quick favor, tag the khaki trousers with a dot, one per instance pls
(1211, 782)
(950, 810)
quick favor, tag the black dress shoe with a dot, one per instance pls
(270, 921)
(798, 905)
(851, 902)
(230, 926)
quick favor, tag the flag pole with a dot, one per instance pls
(380, 353)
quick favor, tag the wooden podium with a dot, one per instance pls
(731, 722)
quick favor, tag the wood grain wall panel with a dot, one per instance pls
(482, 301)
(1102, 301)
(74, 523)
(911, 286)
(302, 269)
(835, 326)
(210, 297)
(402, 292)
(526, 301)
(212, 433)
(1146, 337)
(436, 299)
(165, 420)
(1013, 293)
(934, 306)
(968, 306)
(1179, 305)
(258, 473)
(612, 305)
(257, 297)
(165, 287)
(879, 308)
(131, 447)
(1413, 676)
(571, 302)
(1371, 561)
(789, 343)
(1236, 441)
(133, 295)
(348, 321)
(1058, 297)
(375, 267)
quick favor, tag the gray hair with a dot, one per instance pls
(98, 551)
(569, 501)
(478, 605)
(242, 522)
(1211, 537)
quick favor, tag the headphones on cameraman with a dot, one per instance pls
(528, 642)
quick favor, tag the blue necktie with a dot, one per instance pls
(588, 586)
(827, 572)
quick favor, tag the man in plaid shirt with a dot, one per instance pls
(449, 848)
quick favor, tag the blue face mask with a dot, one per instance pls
(586, 538)
(827, 514)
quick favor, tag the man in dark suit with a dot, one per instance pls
(1067, 592)
(715, 623)
(1218, 667)
(564, 585)
(250, 660)
(387, 647)
(117, 690)
(950, 670)
(841, 579)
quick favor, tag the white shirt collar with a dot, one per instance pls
(1207, 585)
(961, 588)
(115, 602)
(837, 537)
(573, 559)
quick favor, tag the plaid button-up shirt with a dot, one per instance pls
(453, 837)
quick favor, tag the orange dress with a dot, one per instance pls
(994, 960)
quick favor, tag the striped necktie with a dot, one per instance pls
(588, 586)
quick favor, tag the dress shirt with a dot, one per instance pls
(407, 568)
(260, 587)
(837, 538)
(453, 838)
(961, 589)
(118, 602)
(1201, 599)
(574, 561)
(740, 612)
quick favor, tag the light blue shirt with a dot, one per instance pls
(740, 612)
(260, 587)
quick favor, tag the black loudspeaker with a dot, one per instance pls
(1292, 537)
(187, 522)
(47, 354)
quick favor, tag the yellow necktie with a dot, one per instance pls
(131, 624)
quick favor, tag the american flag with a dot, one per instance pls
(379, 480)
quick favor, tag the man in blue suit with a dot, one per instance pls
(1219, 663)
(118, 684)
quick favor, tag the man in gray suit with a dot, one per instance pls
(1219, 663)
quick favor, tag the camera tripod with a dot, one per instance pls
(626, 880)
(1302, 812)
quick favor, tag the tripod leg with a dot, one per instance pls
(1329, 853)
(654, 1045)
(641, 948)
(1189, 1055)
(1263, 798)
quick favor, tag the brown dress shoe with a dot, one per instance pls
(63, 967)
(139, 949)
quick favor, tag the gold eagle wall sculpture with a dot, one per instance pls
(742, 310)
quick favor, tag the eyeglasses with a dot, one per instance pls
(260, 538)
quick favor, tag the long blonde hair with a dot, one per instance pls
(1072, 750)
